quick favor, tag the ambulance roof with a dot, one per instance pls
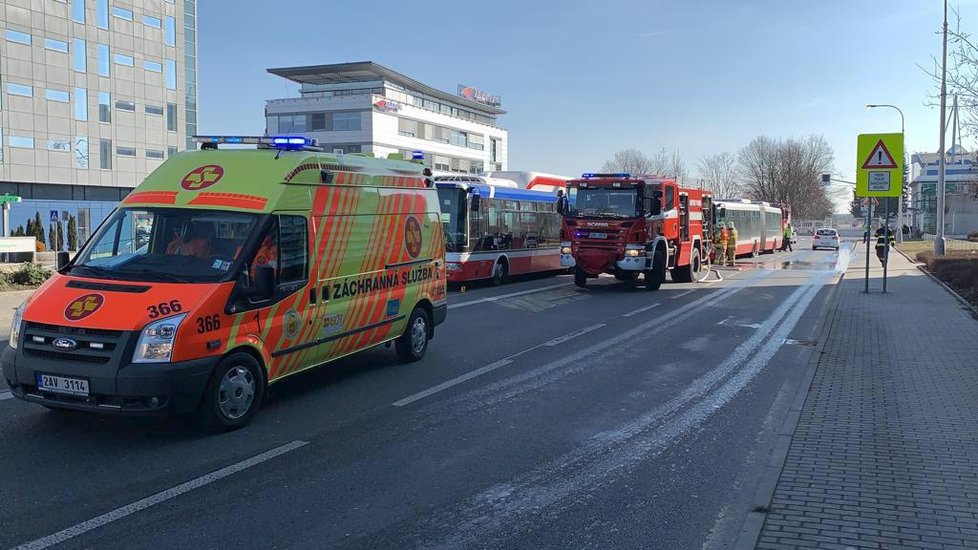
(262, 180)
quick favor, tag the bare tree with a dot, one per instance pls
(962, 74)
(788, 171)
(631, 161)
(720, 175)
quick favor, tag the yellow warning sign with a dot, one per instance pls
(879, 172)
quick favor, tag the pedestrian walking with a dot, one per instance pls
(731, 243)
(786, 243)
(883, 245)
(720, 238)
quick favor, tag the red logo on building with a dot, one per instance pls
(202, 177)
(412, 237)
(83, 307)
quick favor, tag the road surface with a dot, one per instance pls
(544, 416)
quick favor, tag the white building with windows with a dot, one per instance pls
(365, 107)
(94, 95)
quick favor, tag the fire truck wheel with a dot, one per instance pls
(412, 345)
(657, 275)
(580, 278)
(499, 272)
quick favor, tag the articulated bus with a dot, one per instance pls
(760, 225)
(537, 181)
(494, 231)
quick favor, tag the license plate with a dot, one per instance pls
(598, 235)
(61, 384)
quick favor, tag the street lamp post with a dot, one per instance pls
(904, 184)
(942, 167)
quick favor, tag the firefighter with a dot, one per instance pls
(883, 244)
(731, 243)
(720, 239)
(786, 243)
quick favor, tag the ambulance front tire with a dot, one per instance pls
(412, 345)
(233, 394)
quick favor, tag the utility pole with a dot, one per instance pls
(942, 167)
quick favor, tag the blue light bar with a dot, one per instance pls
(279, 142)
(417, 155)
(622, 175)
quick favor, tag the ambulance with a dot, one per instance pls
(229, 269)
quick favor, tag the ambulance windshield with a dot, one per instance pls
(166, 244)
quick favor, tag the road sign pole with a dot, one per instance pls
(869, 228)
(886, 242)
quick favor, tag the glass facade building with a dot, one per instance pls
(94, 94)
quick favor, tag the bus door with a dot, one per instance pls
(683, 217)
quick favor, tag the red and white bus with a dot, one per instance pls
(760, 225)
(537, 181)
(494, 231)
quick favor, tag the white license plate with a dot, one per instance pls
(60, 384)
(598, 235)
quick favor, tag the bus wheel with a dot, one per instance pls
(499, 272)
(657, 275)
(412, 345)
(580, 278)
(233, 394)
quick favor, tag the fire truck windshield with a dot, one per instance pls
(454, 212)
(603, 202)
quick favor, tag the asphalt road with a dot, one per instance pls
(543, 416)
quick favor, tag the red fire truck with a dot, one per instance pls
(625, 225)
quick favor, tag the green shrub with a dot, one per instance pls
(29, 274)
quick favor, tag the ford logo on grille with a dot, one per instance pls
(66, 344)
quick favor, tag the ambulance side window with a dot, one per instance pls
(293, 249)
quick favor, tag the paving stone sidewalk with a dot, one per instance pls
(885, 454)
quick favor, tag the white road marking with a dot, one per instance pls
(453, 382)
(162, 496)
(680, 313)
(504, 296)
(681, 294)
(571, 335)
(640, 310)
(570, 479)
(6, 395)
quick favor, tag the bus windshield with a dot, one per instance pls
(603, 203)
(453, 218)
(166, 244)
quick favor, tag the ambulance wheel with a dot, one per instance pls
(657, 275)
(233, 394)
(412, 345)
(580, 278)
(499, 272)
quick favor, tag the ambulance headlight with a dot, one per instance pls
(155, 343)
(15, 325)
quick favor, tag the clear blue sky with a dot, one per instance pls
(582, 79)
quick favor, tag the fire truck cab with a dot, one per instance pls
(629, 225)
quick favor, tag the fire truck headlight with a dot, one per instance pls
(632, 253)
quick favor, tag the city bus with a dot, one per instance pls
(537, 181)
(495, 231)
(760, 225)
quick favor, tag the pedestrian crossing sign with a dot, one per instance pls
(879, 172)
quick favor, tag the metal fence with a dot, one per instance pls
(954, 244)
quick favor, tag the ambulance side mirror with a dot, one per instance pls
(61, 260)
(264, 282)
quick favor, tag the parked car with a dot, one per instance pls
(825, 238)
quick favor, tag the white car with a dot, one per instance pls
(825, 238)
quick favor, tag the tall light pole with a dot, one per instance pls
(903, 186)
(941, 167)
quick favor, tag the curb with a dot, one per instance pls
(753, 524)
(960, 298)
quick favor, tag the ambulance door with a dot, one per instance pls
(282, 322)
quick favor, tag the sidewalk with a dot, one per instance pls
(885, 454)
